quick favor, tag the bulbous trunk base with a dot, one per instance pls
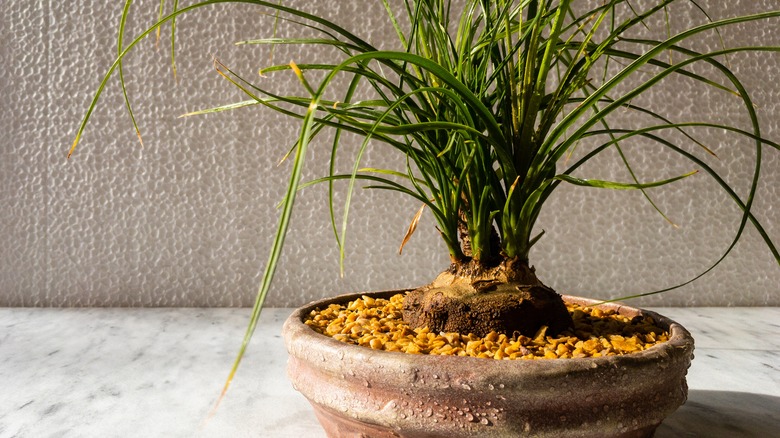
(474, 299)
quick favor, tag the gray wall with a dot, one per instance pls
(188, 219)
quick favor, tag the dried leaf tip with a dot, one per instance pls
(73, 147)
(412, 228)
(140, 140)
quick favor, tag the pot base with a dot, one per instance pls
(342, 426)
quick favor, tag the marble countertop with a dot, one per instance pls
(157, 372)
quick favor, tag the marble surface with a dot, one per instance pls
(157, 372)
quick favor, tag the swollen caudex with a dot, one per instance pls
(378, 324)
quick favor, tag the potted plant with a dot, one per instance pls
(486, 100)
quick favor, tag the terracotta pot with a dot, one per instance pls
(359, 392)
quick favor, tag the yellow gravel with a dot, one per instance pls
(378, 324)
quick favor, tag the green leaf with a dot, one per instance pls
(619, 186)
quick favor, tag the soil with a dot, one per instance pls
(379, 324)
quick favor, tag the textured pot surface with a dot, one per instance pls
(359, 392)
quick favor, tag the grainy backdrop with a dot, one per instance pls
(188, 219)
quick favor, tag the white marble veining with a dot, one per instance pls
(156, 373)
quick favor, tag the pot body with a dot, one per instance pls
(359, 392)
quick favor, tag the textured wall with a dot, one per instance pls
(188, 220)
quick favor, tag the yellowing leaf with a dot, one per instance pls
(412, 228)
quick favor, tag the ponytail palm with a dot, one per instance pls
(485, 100)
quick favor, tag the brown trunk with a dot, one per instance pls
(473, 298)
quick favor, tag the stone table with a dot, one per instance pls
(119, 372)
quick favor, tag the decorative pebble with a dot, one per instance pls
(378, 324)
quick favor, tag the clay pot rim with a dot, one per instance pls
(295, 332)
